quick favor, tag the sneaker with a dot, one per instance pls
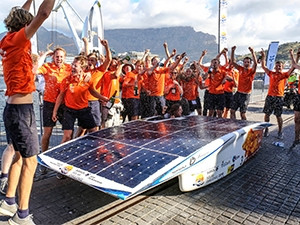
(280, 135)
(6, 209)
(295, 143)
(43, 170)
(3, 185)
(16, 220)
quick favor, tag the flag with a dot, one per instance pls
(271, 56)
(223, 4)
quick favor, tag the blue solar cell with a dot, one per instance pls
(135, 168)
(161, 127)
(135, 124)
(102, 157)
(74, 149)
(137, 137)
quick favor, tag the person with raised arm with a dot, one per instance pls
(53, 72)
(96, 75)
(18, 115)
(274, 99)
(296, 104)
(247, 72)
(74, 92)
(156, 84)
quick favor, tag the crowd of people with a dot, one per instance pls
(101, 91)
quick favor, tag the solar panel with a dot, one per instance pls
(127, 159)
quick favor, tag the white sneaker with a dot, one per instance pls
(16, 220)
(6, 209)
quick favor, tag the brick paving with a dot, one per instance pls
(266, 190)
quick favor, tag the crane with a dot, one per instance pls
(92, 25)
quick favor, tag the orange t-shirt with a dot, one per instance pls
(53, 78)
(128, 85)
(76, 92)
(277, 83)
(156, 81)
(174, 94)
(17, 63)
(246, 76)
(229, 85)
(109, 86)
(96, 76)
(215, 82)
(190, 88)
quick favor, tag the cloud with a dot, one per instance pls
(250, 23)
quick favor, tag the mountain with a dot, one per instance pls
(184, 39)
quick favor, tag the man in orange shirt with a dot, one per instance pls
(173, 90)
(96, 75)
(74, 92)
(53, 74)
(216, 79)
(156, 85)
(18, 114)
(190, 85)
(131, 89)
(206, 69)
(296, 104)
(228, 88)
(110, 84)
(274, 99)
(241, 98)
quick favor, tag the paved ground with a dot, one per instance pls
(266, 190)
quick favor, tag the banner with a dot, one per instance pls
(270, 60)
(222, 24)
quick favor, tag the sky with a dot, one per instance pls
(252, 23)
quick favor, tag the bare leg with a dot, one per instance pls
(232, 114)
(80, 132)
(279, 122)
(219, 113)
(14, 175)
(7, 158)
(46, 138)
(225, 114)
(199, 111)
(67, 136)
(26, 180)
(243, 116)
(211, 112)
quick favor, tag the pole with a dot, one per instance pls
(219, 31)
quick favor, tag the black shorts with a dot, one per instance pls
(195, 104)
(132, 106)
(84, 117)
(216, 101)
(273, 104)
(296, 102)
(156, 105)
(21, 131)
(228, 99)
(240, 100)
(47, 114)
